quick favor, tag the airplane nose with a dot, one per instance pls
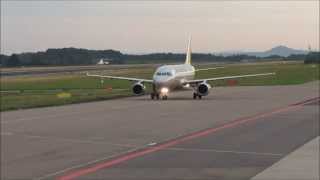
(160, 81)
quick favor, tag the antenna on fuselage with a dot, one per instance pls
(188, 56)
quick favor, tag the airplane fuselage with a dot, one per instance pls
(172, 76)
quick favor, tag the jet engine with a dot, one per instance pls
(203, 89)
(138, 88)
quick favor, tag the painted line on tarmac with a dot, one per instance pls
(223, 151)
(306, 102)
(75, 112)
(6, 133)
(49, 176)
(141, 152)
(81, 141)
(70, 140)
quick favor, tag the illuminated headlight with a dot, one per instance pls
(164, 90)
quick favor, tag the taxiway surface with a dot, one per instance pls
(256, 127)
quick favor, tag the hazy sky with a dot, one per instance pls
(158, 26)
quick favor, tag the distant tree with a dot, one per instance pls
(75, 56)
(3, 59)
(312, 57)
(273, 57)
(13, 61)
(296, 57)
(36, 60)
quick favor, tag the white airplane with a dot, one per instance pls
(171, 77)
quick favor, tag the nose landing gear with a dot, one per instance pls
(164, 97)
(154, 94)
(163, 93)
(157, 96)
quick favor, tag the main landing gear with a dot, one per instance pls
(195, 96)
(155, 95)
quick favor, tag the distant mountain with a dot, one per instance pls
(281, 51)
(276, 51)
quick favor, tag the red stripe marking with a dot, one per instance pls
(307, 101)
(139, 153)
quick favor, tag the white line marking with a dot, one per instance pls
(224, 151)
(77, 140)
(37, 118)
(58, 114)
(152, 144)
(68, 139)
(6, 134)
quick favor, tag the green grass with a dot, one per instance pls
(60, 83)
(10, 101)
(27, 92)
(286, 74)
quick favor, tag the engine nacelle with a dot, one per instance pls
(138, 88)
(203, 89)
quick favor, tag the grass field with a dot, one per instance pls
(36, 91)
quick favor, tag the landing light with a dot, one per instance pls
(164, 90)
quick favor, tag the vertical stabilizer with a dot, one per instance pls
(188, 56)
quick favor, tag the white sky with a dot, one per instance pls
(158, 26)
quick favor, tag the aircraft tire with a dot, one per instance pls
(194, 96)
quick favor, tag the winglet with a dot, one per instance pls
(188, 56)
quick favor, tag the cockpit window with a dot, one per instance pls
(164, 74)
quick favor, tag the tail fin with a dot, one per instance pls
(188, 56)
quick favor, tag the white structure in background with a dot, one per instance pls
(103, 62)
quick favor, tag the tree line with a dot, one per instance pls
(74, 56)
(312, 58)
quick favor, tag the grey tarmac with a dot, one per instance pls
(44, 143)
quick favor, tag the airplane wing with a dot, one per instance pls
(208, 69)
(226, 77)
(121, 78)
